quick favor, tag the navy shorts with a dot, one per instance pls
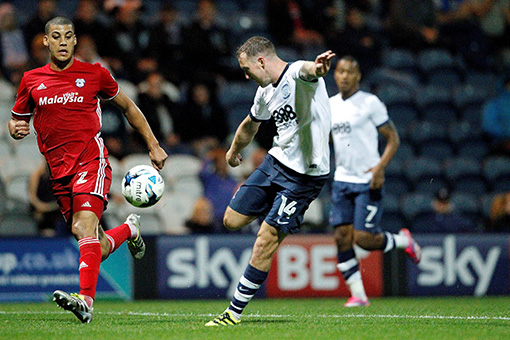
(356, 203)
(278, 192)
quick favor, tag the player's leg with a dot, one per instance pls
(266, 244)
(128, 231)
(341, 217)
(348, 265)
(368, 233)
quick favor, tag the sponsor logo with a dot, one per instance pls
(83, 265)
(200, 267)
(70, 97)
(285, 116)
(445, 265)
(42, 87)
(86, 204)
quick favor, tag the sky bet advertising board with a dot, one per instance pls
(31, 269)
(210, 267)
(475, 265)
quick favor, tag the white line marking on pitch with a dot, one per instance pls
(375, 316)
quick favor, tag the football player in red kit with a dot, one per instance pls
(63, 100)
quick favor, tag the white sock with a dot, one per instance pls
(236, 316)
(356, 287)
(134, 231)
(401, 241)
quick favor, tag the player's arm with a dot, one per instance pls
(18, 128)
(312, 70)
(244, 135)
(138, 121)
(390, 134)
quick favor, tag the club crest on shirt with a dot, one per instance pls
(285, 91)
(80, 82)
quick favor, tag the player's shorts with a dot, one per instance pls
(86, 190)
(356, 203)
(278, 192)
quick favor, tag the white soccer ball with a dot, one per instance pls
(143, 186)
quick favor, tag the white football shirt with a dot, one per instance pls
(303, 120)
(354, 124)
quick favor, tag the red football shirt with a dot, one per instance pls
(67, 113)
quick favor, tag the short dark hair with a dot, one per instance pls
(57, 21)
(256, 45)
(352, 60)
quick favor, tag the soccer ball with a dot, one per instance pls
(143, 186)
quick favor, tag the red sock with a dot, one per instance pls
(90, 259)
(117, 236)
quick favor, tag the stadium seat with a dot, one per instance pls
(497, 171)
(175, 209)
(397, 185)
(135, 159)
(437, 149)
(415, 203)
(394, 95)
(475, 148)
(421, 132)
(403, 115)
(444, 77)
(465, 175)
(488, 83)
(422, 168)
(432, 61)
(463, 131)
(234, 93)
(467, 204)
(429, 185)
(180, 166)
(404, 152)
(399, 59)
(392, 219)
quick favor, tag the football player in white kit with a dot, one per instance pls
(356, 203)
(295, 169)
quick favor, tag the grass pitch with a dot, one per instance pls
(267, 319)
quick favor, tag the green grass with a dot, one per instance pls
(267, 319)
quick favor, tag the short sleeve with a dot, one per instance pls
(259, 111)
(24, 106)
(109, 86)
(378, 112)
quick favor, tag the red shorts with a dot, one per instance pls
(86, 190)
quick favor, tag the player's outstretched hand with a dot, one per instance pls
(323, 63)
(233, 159)
(158, 157)
(18, 128)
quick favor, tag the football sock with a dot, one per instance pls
(248, 286)
(119, 235)
(90, 260)
(348, 266)
(394, 241)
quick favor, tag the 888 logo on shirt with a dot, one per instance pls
(285, 115)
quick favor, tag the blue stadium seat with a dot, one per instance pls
(422, 168)
(235, 93)
(463, 131)
(404, 152)
(397, 185)
(414, 204)
(465, 175)
(403, 115)
(392, 218)
(475, 148)
(467, 204)
(434, 63)
(497, 171)
(399, 59)
(421, 132)
(440, 150)
(429, 185)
